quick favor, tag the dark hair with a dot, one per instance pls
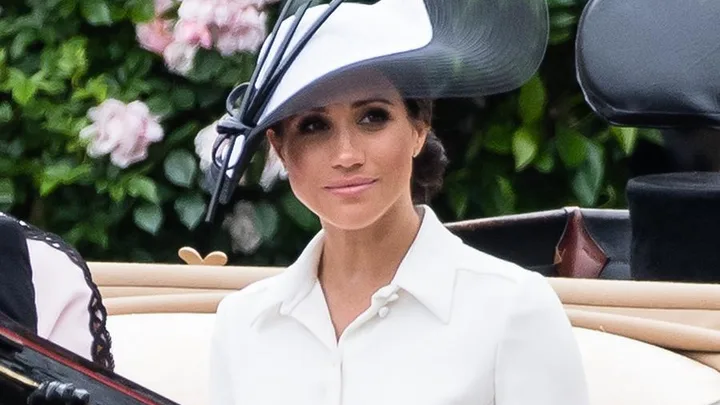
(430, 164)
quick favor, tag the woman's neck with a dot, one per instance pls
(369, 256)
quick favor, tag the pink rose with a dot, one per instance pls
(180, 57)
(123, 131)
(245, 32)
(162, 6)
(193, 32)
(155, 36)
(197, 10)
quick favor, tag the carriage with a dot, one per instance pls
(643, 340)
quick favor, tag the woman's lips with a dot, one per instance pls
(351, 187)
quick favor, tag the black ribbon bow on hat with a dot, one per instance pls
(237, 127)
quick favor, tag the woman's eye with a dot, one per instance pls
(375, 116)
(312, 124)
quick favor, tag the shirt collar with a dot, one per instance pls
(427, 272)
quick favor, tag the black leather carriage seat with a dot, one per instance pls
(567, 242)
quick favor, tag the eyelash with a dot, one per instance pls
(377, 117)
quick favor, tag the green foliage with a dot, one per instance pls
(58, 59)
(536, 148)
(539, 147)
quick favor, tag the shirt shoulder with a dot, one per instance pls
(509, 285)
(248, 302)
(484, 265)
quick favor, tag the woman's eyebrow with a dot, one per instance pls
(361, 103)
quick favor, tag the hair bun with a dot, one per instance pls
(429, 170)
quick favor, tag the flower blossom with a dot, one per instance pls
(242, 227)
(124, 131)
(156, 34)
(273, 171)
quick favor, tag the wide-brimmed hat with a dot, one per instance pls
(425, 48)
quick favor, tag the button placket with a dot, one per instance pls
(385, 296)
(334, 393)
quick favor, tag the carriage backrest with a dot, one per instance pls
(642, 342)
(568, 242)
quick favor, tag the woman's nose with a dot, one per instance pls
(347, 151)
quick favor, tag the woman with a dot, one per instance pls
(67, 308)
(385, 305)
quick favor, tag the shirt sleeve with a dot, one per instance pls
(538, 360)
(220, 385)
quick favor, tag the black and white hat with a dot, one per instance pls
(425, 48)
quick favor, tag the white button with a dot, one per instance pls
(383, 312)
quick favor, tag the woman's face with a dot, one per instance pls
(351, 162)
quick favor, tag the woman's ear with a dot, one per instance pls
(422, 130)
(275, 143)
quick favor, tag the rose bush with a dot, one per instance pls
(107, 112)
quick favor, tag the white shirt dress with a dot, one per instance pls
(454, 327)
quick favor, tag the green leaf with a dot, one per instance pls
(588, 180)
(62, 172)
(303, 217)
(7, 192)
(459, 199)
(185, 132)
(499, 197)
(23, 89)
(627, 137)
(183, 98)
(555, 4)
(267, 220)
(20, 43)
(160, 105)
(563, 19)
(117, 193)
(98, 88)
(73, 60)
(572, 146)
(180, 168)
(545, 161)
(96, 12)
(137, 64)
(532, 100)
(98, 235)
(190, 210)
(145, 187)
(652, 135)
(66, 8)
(148, 217)
(142, 11)
(498, 139)
(474, 148)
(6, 112)
(525, 147)
(208, 64)
(560, 36)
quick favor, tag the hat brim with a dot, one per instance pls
(426, 48)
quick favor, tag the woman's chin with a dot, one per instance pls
(350, 217)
